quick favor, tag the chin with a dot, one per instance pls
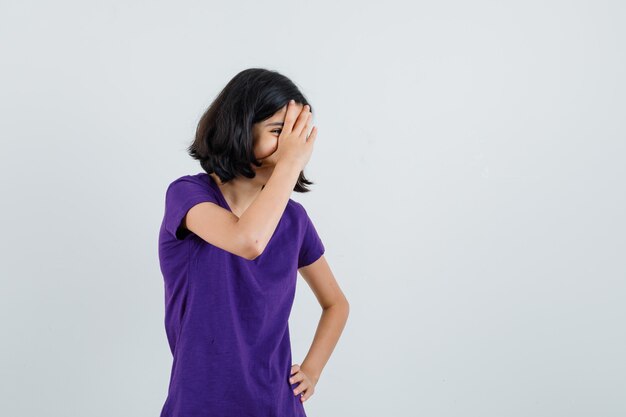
(265, 164)
(268, 162)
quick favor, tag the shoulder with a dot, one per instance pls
(299, 213)
(296, 208)
(189, 188)
(190, 183)
(197, 179)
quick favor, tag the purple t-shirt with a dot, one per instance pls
(226, 316)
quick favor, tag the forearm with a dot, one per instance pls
(331, 325)
(261, 218)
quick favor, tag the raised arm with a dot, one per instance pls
(249, 234)
(260, 220)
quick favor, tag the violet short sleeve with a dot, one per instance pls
(312, 247)
(181, 195)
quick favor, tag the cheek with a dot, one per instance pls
(266, 146)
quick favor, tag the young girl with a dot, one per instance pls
(230, 246)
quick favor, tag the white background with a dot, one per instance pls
(469, 170)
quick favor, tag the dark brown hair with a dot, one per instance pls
(224, 139)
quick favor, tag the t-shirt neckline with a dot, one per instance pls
(218, 190)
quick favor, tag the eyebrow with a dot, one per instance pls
(275, 124)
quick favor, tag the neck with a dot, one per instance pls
(241, 191)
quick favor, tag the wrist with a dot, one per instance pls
(289, 165)
(312, 373)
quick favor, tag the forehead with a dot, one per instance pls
(280, 114)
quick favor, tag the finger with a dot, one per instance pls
(307, 127)
(303, 386)
(293, 111)
(295, 368)
(302, 119)
(313, 135)
(297, 378)
(306, 395)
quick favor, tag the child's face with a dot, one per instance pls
(266, 136)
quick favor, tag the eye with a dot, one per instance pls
(277, 130)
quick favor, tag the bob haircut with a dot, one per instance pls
(224, 141)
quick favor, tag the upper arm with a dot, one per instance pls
(314, 269)
(311, 246)
(193, 207)
(322, 282)
(219, 227)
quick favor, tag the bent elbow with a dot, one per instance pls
(252, 249)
